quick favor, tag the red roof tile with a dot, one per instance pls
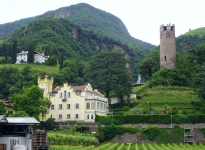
(6, 102)
(79, 88)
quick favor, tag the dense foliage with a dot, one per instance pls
(13, 78)
(2, 108)
(107, 72)
(19, 114)
(32, 102)
(177, 77)
(110, 131)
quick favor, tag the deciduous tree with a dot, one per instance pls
(32, 102)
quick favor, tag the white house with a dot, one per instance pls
(116, 99)
(38, 57)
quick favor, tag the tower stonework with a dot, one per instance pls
(167, 47)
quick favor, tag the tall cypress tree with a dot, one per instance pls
(14, 52)
(46, 51)
(29, 54)
(61, 61)
(33, 51)
(3, 49)
(5, 55)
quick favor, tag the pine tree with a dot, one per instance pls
(14, 52)
(5, 56)
(29, 54)
(61, 61)
(33, 51)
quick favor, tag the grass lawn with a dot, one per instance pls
(35, 67)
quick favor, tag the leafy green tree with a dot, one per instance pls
(2, 109)
(128, 101)
(134, 101)
(147, 67)
(61, 61)
(32, 102)
(181, 61)
(150, 104)
(73, 129)
(52, 61)
(14, 52)
(196, 59)
(49, 121)
(107, 71)
(19, 114)
(165, 107)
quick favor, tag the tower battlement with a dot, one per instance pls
(46, 85)
(168, 27)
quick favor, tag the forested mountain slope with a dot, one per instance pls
(87, 17)
(190, 40)
(59, 35)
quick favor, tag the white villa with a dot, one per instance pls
(38, 57)
(79, 103)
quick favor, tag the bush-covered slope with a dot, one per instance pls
(191, 39)
(62, 35)
(87, 17)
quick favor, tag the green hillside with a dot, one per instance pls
(59, 35)
(190, 40)
(170, 95)
(199, 31)
(87, 17)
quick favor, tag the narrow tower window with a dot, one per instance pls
(165, 57)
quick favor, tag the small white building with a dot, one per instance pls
(16, 130)
(38, 57)
(116, 99)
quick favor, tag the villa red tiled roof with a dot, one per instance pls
(79, 88)
(97, 94)
(56, 90)
(6, 102)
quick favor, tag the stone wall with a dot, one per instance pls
(136, 138)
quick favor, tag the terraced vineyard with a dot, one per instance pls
(117, 146)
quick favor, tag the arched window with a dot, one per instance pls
(87, 116)
(165, 57)
(65, 94)
(91, 116)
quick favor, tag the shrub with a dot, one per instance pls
(135, 111)
(73, 129)
(184, 111)
(110, 131)
(49, 122)
(60, 129)
(19, 114)
(150, 132)
(125, 108)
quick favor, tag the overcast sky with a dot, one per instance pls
(141, 17)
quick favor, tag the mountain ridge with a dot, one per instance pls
(87, 17)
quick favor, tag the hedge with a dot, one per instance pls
(165, 119)
(120, 105)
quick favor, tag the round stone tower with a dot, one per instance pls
(167, 46)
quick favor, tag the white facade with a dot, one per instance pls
(22, 56)
(38, 57)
